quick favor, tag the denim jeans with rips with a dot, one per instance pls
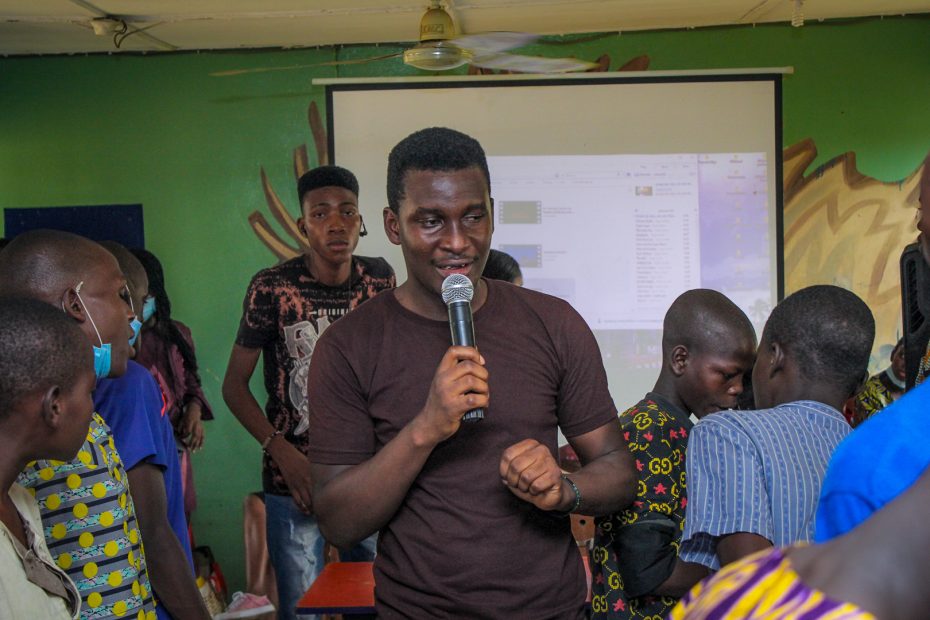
(295, 547)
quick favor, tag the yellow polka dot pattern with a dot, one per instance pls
(86, 539)
(91, 528)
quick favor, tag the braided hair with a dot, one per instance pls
(163, 325)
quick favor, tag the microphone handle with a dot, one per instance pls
(463, 334)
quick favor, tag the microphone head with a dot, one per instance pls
(457, 287)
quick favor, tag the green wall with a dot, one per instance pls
(158, 130)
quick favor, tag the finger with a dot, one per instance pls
(466, 367)
(303, 499)
(465, 384)
(474, 401)
(524, 472)
(199, 434)
(527, 466)
(457, 355)
(514, 451)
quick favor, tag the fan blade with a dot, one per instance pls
(492, 42)
(531, 64)
(331, 63)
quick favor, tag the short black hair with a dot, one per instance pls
(898, 345)
(501, 266)
(828, 331)
(325, 176)
(40, 347)
(435, 149)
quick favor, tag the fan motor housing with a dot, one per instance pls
(436, 25)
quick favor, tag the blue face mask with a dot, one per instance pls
(136, 325)
(148, 308)
(102, 361)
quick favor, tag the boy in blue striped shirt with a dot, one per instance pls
(754, 476)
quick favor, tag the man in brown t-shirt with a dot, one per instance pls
(472, 516)
(286, 308)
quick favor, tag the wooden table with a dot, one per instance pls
(348, 588)
(342, 588)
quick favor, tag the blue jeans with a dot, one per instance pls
(295, 547)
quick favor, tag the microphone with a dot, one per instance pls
(457, 292)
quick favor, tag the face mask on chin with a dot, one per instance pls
(148, 308)
(136, 324)
(103, 353)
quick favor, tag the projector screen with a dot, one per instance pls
(615, 193)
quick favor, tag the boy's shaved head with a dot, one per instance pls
(41, 264)
(703, 320)
(133, 270)
(708, 344)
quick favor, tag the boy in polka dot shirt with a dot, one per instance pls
(87, 512)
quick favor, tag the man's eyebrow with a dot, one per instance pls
(324, 204)
(428, 211)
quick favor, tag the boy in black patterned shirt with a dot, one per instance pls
(708, 344)
(286, 308)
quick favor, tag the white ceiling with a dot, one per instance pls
(63, 26)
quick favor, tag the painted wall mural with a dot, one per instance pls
(848, 229)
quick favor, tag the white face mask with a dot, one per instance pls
(889, 372)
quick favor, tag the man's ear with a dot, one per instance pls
(391, 225)
(491, 202)
(300, 225)
(72, 306)
(51, 407)
(678, 360)
(777, 360)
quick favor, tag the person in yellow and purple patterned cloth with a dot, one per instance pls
(708, 344)
(874, 535)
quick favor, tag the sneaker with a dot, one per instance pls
(245, 605)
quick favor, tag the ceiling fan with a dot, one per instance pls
(440, 49)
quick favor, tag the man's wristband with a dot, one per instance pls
(577, 503)
(268, 439)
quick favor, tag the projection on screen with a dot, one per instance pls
(662, 224)
(615, 195)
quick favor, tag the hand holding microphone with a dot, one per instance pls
(460, 383)
(457, 293)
